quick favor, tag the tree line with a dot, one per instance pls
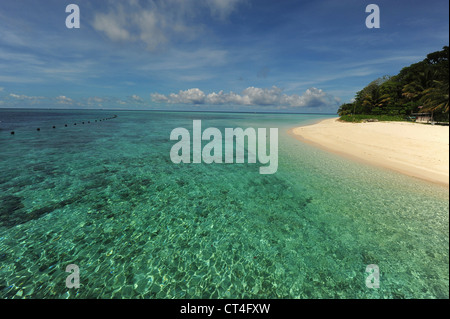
(422, 87)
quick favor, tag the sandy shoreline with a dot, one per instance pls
(413, 149)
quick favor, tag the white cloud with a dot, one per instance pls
(22, 100)
(158, 21)
(222, 8)
(95, 99)
(251, 96)
(25, 97)
(113, 25)
(136, 98)
(64, 100)
(1, 89)
(16, 96)
(156, 97)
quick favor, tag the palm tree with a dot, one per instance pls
(435, 99)
(415, 90)
(373, 100)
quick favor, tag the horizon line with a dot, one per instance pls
(161, 110)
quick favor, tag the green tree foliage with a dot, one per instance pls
(435, 99)
(420, 87)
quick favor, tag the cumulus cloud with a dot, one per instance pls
(251, 96)
(64, 100)
(156, 22)
(136, 98)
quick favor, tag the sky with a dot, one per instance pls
(218, 55)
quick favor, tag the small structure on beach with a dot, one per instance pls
(423, 117)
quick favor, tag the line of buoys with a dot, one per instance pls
(65, 125)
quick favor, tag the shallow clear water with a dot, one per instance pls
(106, 197)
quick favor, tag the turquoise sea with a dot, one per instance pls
(106, 197)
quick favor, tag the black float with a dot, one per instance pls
(65, 125)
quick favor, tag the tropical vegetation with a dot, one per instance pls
(422, 87)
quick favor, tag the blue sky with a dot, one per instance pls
(234, 55)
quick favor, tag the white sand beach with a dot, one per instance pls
(414, 149)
